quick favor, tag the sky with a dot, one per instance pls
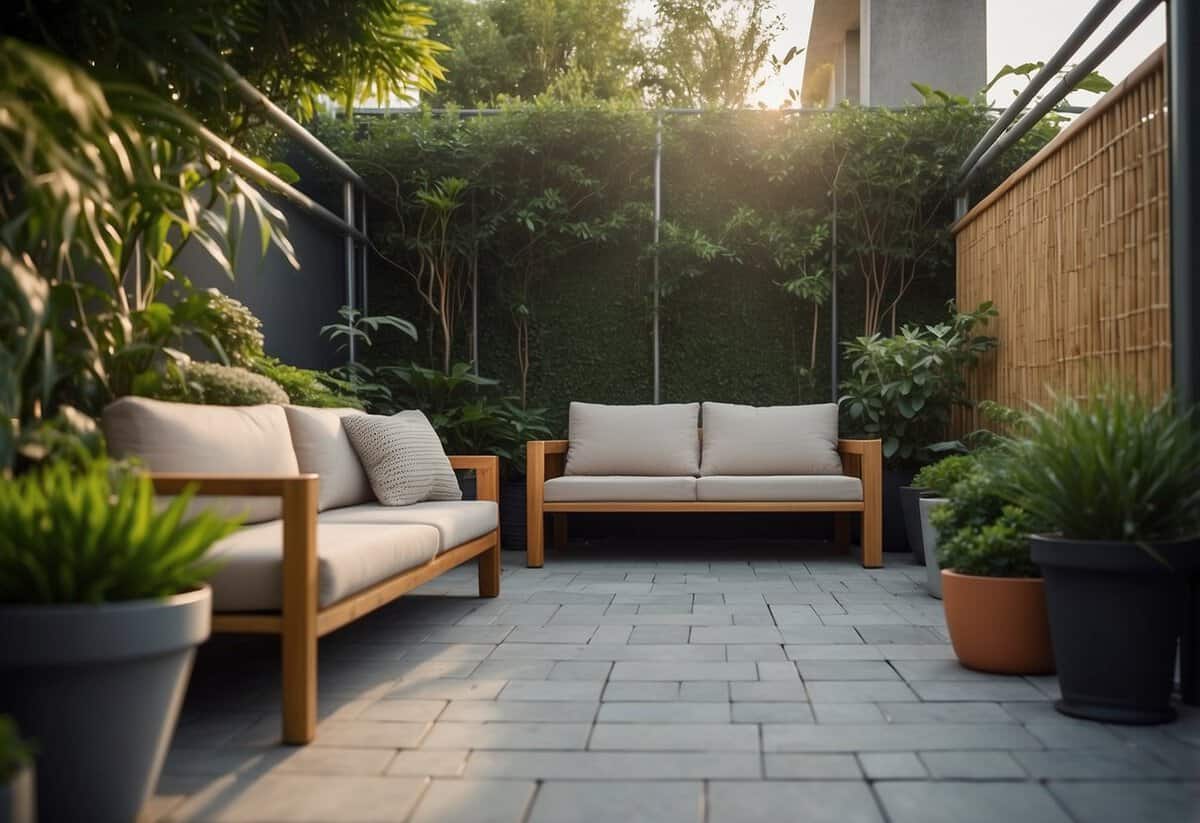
(1018, 31)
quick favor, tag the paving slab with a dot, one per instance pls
(629, 802)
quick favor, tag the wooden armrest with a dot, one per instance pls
(554, 446)
(233, 485)
(487, 473)
(859, 446)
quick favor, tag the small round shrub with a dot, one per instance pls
(226, 325)
(943, 475)
(216, 385)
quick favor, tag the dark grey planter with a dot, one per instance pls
(910, 507)
(929, 538)
(18, 801)
(512, 514)
(97, 689)
(895, 538)
(1115, 617)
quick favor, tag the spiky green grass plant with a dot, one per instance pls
(93, 534)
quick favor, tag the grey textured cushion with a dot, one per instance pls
(350, 558)
(403, 458)
(824, 488)
(634, 440)
(584, 488)
(770, 440)
(195, 439)
(457, 521)
(323, 448)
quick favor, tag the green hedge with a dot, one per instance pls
(729, 332)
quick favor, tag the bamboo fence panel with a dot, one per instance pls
(1074, 250)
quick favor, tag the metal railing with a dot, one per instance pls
(351, 181)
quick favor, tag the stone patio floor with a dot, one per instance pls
(727, 683)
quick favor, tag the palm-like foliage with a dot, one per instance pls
(95, 535)
(1112, 467)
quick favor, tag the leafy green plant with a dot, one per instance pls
(96, 534)
(15, 753)
(996, 549)
(979, 532)
(308, 387)
(214, 384)
(902, 389)
(227, 325)
(942, 476)
(1114, 466)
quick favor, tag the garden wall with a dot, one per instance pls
(1074, 250)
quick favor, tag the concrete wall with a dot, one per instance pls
(292, 304)
(941, 43)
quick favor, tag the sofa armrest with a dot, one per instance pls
(487, 473)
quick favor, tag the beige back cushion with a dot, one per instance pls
(634, 440)
(323, 448)
(745, 440)
(193, 439)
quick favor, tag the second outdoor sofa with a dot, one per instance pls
(744, 459)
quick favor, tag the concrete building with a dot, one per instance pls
(871, 51)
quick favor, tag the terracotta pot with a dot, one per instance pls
(998, 624)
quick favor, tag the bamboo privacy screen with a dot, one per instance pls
(1074, 250)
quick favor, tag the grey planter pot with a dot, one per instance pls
(909, 495)
(18, 802)
(98, 690)
(929, 536)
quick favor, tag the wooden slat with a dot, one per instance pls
(1073, 250)
(238, 623)
(232, 485)
(706, 506)
(355, 606)
(299, 630)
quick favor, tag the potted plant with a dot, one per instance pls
(17, 800)
(102, 604)
(1116, 480)
(902, 390)
(935, 482)
(994, 597)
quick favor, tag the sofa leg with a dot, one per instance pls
(841, 531)
(872, 538)
(299, 684)
(489, 570)
(559, 522)
(535, 547)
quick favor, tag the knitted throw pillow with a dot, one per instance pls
(403, 458)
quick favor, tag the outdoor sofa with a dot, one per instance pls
(745, 459)
(316, 551)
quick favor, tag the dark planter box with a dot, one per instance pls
(512, 514)
(910, 506)
(1116, 613)
(895, 538)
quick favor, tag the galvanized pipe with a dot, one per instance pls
(658, 157)
(348, 211)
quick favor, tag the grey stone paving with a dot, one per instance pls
(729, 683)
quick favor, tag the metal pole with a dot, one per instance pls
(348, 215)
(833, 301)
(362, 219)
(1183, 34)
(658, 156)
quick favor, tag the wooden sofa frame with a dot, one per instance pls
(301, 621)
(860, 458)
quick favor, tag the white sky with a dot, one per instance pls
(1018, 31)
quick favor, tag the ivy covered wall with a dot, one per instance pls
(553, 210)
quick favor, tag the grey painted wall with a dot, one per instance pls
(941, 43)
(292, 304)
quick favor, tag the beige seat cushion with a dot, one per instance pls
(824, 488)
(748, 440)
(350, 558)
(323, 448)
(658, 440)
(194, 439)
(611, 488)
(457, 521)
